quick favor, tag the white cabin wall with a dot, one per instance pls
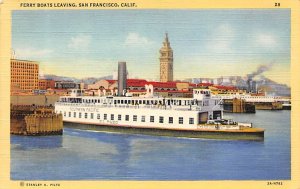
(131, 111)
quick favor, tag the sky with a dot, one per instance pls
(206, 42)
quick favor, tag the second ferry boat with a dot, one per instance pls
(198, 117)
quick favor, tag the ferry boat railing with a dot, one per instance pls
(166, 107)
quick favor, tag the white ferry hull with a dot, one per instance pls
(204, 134)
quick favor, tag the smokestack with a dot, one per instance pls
(122, 77)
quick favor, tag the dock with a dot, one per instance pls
(238, 106)
(33, 120)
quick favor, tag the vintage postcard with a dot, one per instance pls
(149, 94)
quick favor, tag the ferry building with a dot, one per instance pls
(166, 61)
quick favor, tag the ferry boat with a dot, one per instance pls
(198, 117)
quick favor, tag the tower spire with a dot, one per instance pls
(167, 38)
(166, 43)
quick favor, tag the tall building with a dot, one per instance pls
(166, 61)
(24, 75)
(122, 77)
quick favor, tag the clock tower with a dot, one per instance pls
(166, 61)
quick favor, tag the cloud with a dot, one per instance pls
(135, 39)
(221, 39)
(266, 40)
(79, 42)
(28, 53)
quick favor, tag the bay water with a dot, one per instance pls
(90, 155)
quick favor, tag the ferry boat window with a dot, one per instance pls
(98, 101)
(143, 118)
(79, 115)
(98, 116)
(85, 115)
(152, 119)
(134, 117)
(64, 114)
(69, 114)
(180, 121)
(92, 115)
(144, 102)
(105, 116)
(112, 117)
(161, 119)
(119, 117)
(205, 103)
(127, 117)
(170, 119)
(191, 120)
(74, 114)
(140, 101)
(122, 102)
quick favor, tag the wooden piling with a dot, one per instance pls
(28, 120)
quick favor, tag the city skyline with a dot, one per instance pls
(206, 43)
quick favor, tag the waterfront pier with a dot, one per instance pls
(238, 106)
(35, 120)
